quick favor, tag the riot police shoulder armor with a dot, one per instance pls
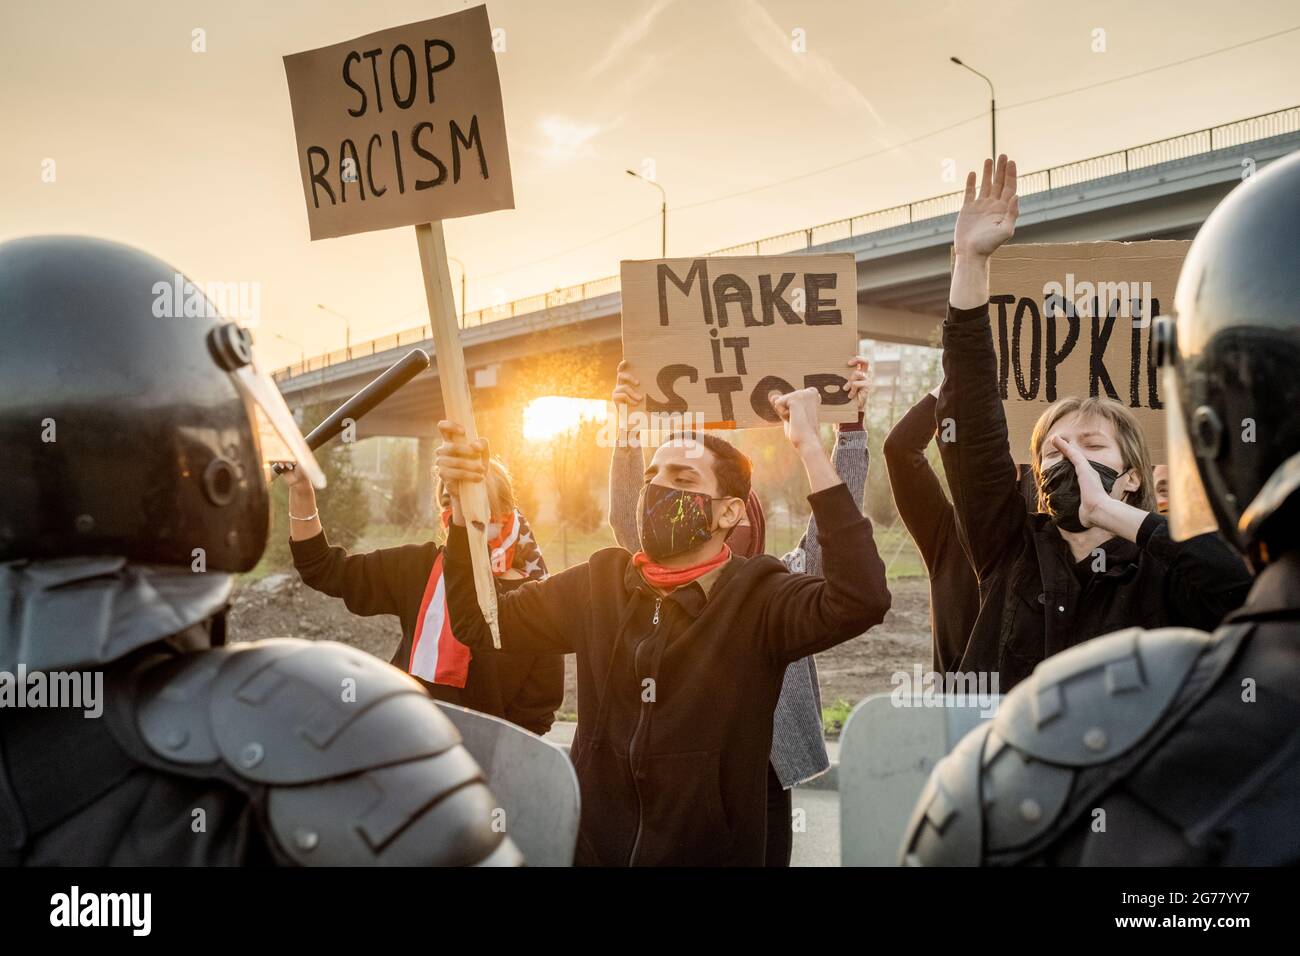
(1013, 785)
(350, 760)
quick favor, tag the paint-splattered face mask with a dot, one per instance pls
(671, 521)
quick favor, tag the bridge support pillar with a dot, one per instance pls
(424, 479)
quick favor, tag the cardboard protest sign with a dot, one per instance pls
(400, 127)
(712, 337)
(1075, 319)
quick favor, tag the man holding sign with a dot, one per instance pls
(683, 647)
(1096, 558)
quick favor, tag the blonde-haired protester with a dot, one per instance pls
(1097, 557)
(407, 582)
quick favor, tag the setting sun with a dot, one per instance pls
(552, 415)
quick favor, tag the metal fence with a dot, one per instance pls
(1172, 149)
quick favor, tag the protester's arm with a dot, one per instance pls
(978, 461)
(627, 466)
(806, 613)
(1206, 579)
(798, 412)
(304, 515)
(539, 696)
(626, 473)
(849, 459)
(537, 617)
(371, 583)
(918, 493)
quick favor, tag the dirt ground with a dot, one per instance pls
(279, 605)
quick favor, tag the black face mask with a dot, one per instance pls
(671, 521)
(1061, 490)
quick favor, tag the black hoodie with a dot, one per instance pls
(676, 691)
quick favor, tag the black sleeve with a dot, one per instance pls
(922, 505)
(1205, 579)
(805, 613)
(377, 582)
(535, 618)
(981, 470)
(539, 696)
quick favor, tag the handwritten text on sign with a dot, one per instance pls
(1075, 319)
(401, 127)
(714, 337)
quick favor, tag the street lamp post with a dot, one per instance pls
(302, 351)
(993, 103)
(347, 327)
(461, 266)
(663, 213)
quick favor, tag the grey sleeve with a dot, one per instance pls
(850, 459)
(626, 469)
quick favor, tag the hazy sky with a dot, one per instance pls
(192, 156)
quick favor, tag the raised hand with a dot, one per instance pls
(293, 478)
(798, 410)
(858, 384)
(458, 459)
(988, 219)
(627, 388)
(626, 396)
(1092, 493)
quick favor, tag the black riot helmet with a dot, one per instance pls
(1231, 366)
(132, 418)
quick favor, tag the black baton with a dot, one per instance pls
(393, 378)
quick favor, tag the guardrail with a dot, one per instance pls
(1184, 146)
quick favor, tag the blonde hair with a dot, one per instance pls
(500, 486)
(1132, 443)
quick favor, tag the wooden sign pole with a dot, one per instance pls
(455, 398)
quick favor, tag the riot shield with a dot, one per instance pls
(887, 750)
(532, 778)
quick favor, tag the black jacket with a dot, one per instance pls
(676, 692)
(1035, 600)
(929, 519)
(526, 689)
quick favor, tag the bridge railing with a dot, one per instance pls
(1174, 148)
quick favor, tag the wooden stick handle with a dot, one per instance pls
(450, 357)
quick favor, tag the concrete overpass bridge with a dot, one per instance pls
(1160, 190)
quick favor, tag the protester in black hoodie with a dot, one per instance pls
(678, 680)
(928, 516)
(1097, 558)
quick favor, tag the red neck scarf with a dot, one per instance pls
(656, 575)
